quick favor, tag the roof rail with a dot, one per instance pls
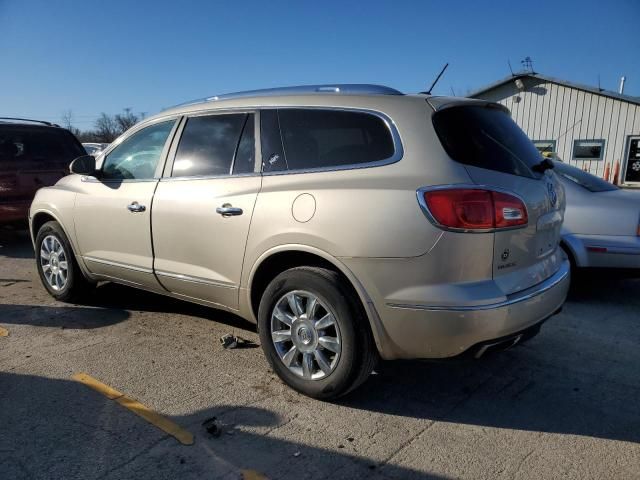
(342, 89)
(15, 119)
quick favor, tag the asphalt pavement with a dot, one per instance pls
(564, 405)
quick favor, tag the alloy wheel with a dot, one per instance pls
(306, 335)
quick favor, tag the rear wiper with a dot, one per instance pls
(545, 164)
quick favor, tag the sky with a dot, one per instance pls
(95, 56)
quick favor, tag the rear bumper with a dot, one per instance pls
(601, 251)
(418, 331)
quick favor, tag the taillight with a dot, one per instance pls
(475, 209)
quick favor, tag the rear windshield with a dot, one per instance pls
(486, 137)
(41, 145)
(584, 179)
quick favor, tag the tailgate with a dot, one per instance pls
(498, 155)
(524, 257)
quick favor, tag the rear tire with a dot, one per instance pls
(322, 345)
(57, 266)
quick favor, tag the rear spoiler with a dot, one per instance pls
(441, 103)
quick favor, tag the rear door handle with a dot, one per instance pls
(226, 210)
(135, 207)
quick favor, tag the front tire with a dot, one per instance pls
(314, 333)
(57, 266)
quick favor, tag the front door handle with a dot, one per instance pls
(135, 207)
(226, 210)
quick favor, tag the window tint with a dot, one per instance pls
(486, 137)
(588, 149)
(333, 138)
(207, 145)
(584, 179)
(271, 143)
(138, 156)
(42, 145)
(245, 156)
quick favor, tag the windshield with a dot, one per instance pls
(584, 179)
(485, 136)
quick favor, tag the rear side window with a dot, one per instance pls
(208, 145)
(486, 137)
(40, 145)
(316, 138)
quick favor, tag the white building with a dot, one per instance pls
(594, 129)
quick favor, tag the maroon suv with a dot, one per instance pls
(33, 154)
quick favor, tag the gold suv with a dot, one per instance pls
(350, 222)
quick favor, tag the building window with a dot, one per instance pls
(588, 149)
(545, 146)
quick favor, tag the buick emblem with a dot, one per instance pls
(305, 336)
(553, 196)
(505, 254)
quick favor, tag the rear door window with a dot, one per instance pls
(486, 137)
(208, 145)
(319, 138)
(245, 159)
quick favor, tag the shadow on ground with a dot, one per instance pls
(15, 243)
(75, 432)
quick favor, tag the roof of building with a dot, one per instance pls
(558, 81)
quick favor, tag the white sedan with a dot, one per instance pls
(602, 222)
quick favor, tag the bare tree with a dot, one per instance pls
(67, 122)
(67, 119)
(126, 120)
(106, 128)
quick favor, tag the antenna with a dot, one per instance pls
(428, 92)
(599, 87)
(527, 65)
(452, 91)
(510, 69)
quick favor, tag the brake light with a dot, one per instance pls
(475, 209)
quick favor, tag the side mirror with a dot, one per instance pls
(84, 165)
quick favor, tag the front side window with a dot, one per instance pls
(588, 149)
(138, 156)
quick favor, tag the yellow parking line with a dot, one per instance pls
(252, 475)
(4, 332)
(163, 423)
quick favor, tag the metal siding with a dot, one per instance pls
(566, 114)
(551, 110)
(617, 126)
(607, 125)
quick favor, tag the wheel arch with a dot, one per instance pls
(574, 250)
(42, 216)
(277, 260)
